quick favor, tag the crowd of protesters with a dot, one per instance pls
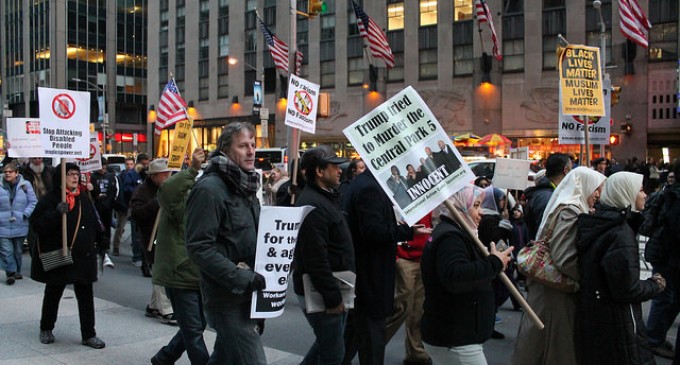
(196, 237)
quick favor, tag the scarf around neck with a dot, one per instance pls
(71, 198)
(245, 182)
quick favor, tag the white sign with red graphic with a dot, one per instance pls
(303, 97)
(94, 161)
(64, 122)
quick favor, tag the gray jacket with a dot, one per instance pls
(221, 231)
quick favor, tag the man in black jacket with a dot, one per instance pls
(375, 234)
(103, 194)
(324, 246)
(557, 167)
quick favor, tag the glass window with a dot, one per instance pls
(203, 88)
(428, 12)
(463, 58)
(355, 71)
(395, 16)
(224, 45)
(327, 74)
(428, 64)
(462, 10)
(554, 23)
(513, 42)
(327, 27)
(663, 37)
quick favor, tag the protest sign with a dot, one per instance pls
(276, 237)
(64, 122)
(24, 138)
(180, 143)
(303, 97)
(581, 81)
(511, 174)
(92, 163)
(409, 154)
(571, 129)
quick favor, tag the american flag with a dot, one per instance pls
(171, 107)
(634, 24)
(377, 40)
(484, 16)
(279, 50)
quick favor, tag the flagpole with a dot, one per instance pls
(293, 132)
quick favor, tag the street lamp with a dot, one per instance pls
(105, 118)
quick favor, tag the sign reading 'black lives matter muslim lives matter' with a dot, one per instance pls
(410, 154)
(276, 237)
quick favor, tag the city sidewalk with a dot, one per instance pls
(131, 338)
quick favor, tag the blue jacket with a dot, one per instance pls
(19, 209)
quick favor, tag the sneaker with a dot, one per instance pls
(18, 276)
(137, 263)
(106, 262)
(663, 351)
(10, 279)
(46, 337)
(94, 342)
(169, 319)
(152, 313)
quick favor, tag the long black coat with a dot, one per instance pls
(459, 300)
(609, 324)
(46, 222)
(375, 234)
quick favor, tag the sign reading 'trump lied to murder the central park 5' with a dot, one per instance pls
(409, 154)
(581, 81)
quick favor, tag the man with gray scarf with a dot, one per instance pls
(221, 238)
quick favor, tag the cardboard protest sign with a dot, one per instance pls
(303, 97)
(511, 174)
(64, 122)
(276, 237)
(178, 148)
(581, 81)
(24, 138)
(92, 163)
(409, 154)
(571, 130)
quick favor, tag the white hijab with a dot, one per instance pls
(574, 189)
(463, 200)
(621, 190)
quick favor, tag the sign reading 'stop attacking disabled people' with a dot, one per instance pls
(409, 153)
(64, 122)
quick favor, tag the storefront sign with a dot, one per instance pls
(581, 81)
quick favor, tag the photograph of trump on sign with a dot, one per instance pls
(410, 154)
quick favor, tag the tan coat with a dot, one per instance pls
(554, 345)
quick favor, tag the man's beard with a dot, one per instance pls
(38, 169)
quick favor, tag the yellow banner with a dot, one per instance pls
(581, 81)
(180, 142)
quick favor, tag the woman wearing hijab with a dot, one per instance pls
(554, 345)
(609, 327)
(83, 231)
(459, 305)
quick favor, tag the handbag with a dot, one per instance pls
(534, 261)
(54, 259)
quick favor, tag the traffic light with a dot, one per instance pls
(616, 92)
(614, 139)
(316, 7)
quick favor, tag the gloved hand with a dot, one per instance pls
(62, 207)
(258, 283)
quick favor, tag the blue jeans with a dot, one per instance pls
(11, 250)
(188, 309)
(665, 307)
(238, 341)
(329, 346)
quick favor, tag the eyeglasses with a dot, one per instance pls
(73, 173)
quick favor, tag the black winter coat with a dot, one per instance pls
(144, 209)
(537, 199)
(46, 222)
(609, 324)
(324, 245)
(459, 306)
(375, 234)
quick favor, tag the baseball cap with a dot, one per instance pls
(320, 156)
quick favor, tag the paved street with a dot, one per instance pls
(132, 338)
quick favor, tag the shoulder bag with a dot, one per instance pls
(54, 259)
(534, 261)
